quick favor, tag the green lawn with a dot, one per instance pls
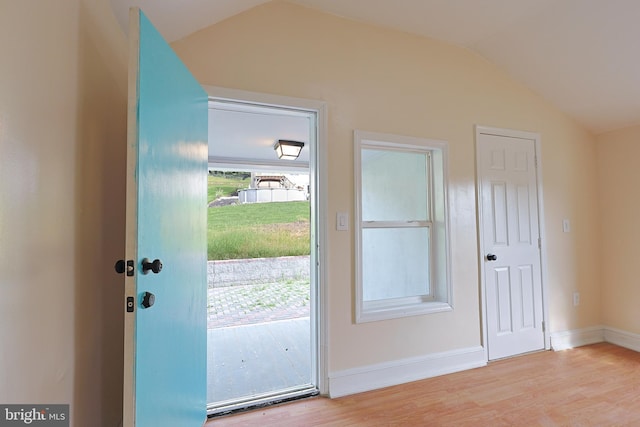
(258, 230)
(219, 185)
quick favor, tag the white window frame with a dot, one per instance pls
(439, 298)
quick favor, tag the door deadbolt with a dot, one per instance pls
(148, 299)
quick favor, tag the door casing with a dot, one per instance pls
(318, 179)
(485, 130)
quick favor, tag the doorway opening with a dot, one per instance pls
(262, 269)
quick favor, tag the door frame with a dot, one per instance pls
(319, 179)
(486, 130)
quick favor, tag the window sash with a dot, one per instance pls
(420, 213)
(396, 265)
(437, 296)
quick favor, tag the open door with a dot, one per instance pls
(165, 318)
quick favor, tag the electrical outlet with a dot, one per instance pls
(566, 226)
(576, 299)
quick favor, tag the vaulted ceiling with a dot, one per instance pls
(581, 55)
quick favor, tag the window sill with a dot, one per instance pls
(389, 311)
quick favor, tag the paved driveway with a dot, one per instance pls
(251, 304)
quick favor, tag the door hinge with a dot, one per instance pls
(539, 243)
(544, 327)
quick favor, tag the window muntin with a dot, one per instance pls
(401, 227)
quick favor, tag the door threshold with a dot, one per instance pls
(233, 406)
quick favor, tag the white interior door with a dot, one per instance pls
(511, 244)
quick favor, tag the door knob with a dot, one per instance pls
(492, 257)
(148, 299)
(155, 266)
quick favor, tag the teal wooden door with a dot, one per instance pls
(165, 333)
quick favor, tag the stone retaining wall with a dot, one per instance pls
(257, 270)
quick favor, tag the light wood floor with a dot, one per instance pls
(597, 385)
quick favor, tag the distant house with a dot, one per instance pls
(271, 181)
(266, 188)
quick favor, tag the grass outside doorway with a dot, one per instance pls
(226, 184)
(253, 230)
(258, 230)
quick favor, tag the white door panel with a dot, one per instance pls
(510, 232)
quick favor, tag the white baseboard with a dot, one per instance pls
(372, 377)
(367, 378)
(576, 338)
(579, 337)
(622, 338)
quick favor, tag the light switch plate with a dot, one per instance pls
(342, 221)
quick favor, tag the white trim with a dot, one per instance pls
(622, 338)
(257, 164)
(237, 95)
(318, 161)
(576, 338)
(564, 340)
(372, 377)
(440, 294)
(322, 195)
(543, 245)
(486, 130)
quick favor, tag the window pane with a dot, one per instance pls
(395, 262)
(394, 185)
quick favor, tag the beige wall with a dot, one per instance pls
(385, 81)
(62, 163)
(618, 179)
(62, 148)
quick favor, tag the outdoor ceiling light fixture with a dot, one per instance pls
(288, 150)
